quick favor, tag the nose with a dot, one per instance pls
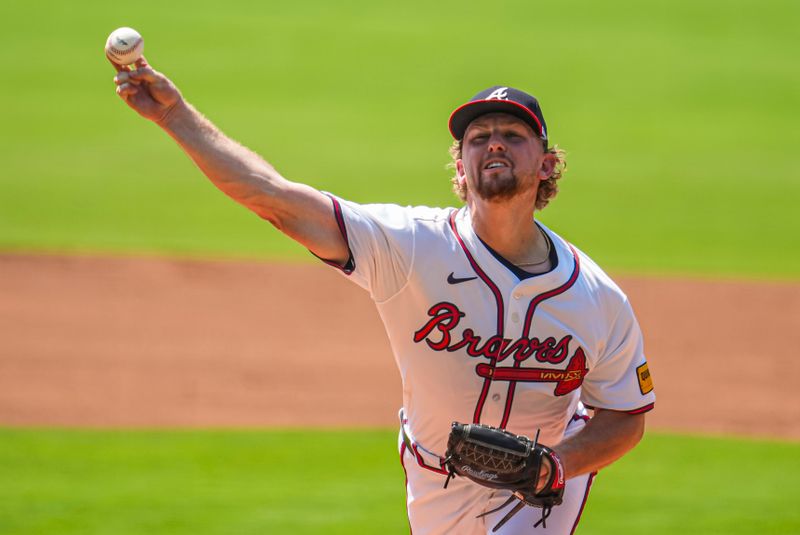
(496, 143)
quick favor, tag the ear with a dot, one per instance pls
(460, 172)
(547, 167)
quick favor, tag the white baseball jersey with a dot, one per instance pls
(474, 343)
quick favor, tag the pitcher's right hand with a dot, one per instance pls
(147, 91)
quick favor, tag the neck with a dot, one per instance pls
(509, 228)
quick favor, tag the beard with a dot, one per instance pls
(496, 188)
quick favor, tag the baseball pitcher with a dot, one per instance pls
(522, 362)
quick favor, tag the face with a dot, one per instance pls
(501, 157)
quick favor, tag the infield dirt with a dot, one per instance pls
(121, 342)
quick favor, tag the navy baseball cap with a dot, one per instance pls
(499, 99)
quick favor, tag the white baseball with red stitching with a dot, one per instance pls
(124, 46)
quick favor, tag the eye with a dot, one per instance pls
(479, 138)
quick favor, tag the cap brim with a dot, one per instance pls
(462, 116)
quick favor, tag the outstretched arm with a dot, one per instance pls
(299, 211)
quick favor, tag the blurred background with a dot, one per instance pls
(678, 119)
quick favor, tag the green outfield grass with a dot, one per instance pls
(679, 119)
(223, 482)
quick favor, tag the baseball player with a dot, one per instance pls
(492, 317)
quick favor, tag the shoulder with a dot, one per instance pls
(417, 213)
(592, 277)
(598, 279)
(398, 215)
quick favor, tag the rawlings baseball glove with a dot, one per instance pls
(498, 459)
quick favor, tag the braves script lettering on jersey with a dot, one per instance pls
(519, 354)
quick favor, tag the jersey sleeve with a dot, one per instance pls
(380, 238)
(620, 379)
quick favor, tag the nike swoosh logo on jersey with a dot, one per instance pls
(452, 279)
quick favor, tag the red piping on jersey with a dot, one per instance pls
(485, 278)
(413, 446)
(405, 473)
(337, 212)
(641, 410)
(527, 327)
(576, 417)
(552, 293)
(498, 297)
(420, 461)
(583, 504)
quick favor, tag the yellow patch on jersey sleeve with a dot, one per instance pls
(645, 380)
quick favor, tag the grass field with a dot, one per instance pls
(242, 482)
(677, 117)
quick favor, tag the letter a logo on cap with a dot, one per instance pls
(501, 93)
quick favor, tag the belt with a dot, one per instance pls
(425, 459)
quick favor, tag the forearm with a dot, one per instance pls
(236, 170)
(299, 211)
(606, 438)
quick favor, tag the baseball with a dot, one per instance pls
(124, 46)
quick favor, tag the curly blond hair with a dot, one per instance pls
(547, 188)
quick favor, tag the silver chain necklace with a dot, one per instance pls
(546, 255)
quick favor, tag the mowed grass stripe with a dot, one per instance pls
(199, 482)
(350, 481)
(675, 116)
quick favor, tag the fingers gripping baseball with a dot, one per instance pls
(148, 92)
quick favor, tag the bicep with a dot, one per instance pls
(619, 424)
(307, 216)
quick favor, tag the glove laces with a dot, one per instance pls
(545, 513)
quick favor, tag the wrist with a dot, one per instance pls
(565, 459)
(174, 116)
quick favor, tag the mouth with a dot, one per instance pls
(496, 164)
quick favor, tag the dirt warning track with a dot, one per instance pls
(120, 342)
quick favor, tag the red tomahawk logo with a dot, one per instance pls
(566, 380)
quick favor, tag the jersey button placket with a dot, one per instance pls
(515, 312)
(517, 308)
(495, 404)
